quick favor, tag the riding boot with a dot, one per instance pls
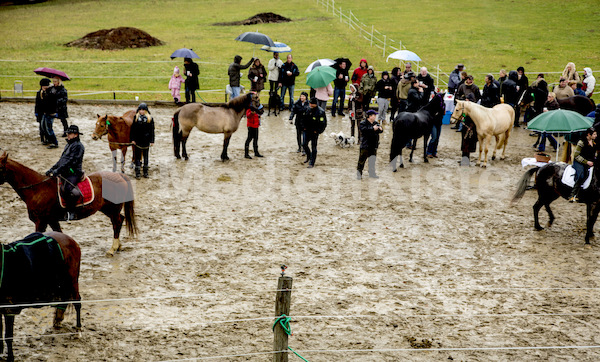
(574, 193)
(256, 153)
(145, 171)
(246, 155)
(137, 172)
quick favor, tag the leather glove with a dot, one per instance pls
(49, 173)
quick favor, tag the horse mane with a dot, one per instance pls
(20, 165)
(238, 103)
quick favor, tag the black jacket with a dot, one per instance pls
(491, 95)
(414, 100)
(284, 78)
(315, 120)
(380, 87)
(369, 138)
(234, 70)
(191, 82)
(341, 83)
(509, 89)
(428, 81)
(299, 110)
(58, 96)
(71, 160)
(142, 130)
(44, 104)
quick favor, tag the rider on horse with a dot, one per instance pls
(69, 168)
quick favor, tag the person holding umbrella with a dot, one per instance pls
(58, 93)
(234, 74)
(191, 81)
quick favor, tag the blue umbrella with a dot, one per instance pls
(279, 48)
(184, 53)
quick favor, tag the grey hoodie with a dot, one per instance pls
(589, 81)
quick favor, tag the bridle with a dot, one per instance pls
(105, 129)
(463, 115)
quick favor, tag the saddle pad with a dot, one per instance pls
(568, 177)
(87, 192)
(33, 270)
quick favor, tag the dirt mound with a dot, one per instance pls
(116, 38)
(261, 18)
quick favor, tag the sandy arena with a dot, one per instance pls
(434, 252)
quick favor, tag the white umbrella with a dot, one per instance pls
(319, 63)
(278, 48)
(405, 55)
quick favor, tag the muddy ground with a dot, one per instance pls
(434, 252)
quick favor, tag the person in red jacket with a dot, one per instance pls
(253, 122)
(360, 71)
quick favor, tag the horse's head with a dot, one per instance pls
(101, 127)
(3, 160)
(252, 100)
(527, 97)
(459, 112)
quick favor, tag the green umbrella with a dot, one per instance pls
(320, 77)
(560, 121)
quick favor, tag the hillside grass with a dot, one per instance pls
(488, 36)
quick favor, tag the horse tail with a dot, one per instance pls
(130, 218)
(523, 184)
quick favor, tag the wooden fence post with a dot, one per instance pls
(282, 306)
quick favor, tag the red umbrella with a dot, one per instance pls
(51, 73)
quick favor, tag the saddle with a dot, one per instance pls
(86, 193)
(568, 177)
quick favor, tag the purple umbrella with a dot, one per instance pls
(51, 73)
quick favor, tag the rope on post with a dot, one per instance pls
(284, 322)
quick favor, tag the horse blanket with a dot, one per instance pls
(87, 192)
(568, 177)
(33, 270)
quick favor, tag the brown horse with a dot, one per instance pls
(34, 274)
(117, 129)
(224, 119)
(41, 197)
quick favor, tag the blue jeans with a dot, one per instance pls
(48, 120)
(435, 139)
(291, 91)
(580, 171)
(542, 146)
(341, 94)
(235, 91)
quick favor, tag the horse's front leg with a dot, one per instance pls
(224, 156)
(117, 223)
(593, 210)
(487, 140)
(184, 149)
(114, 159)
(536, 214)
(425, 139)
(495, 147)
(123, 153)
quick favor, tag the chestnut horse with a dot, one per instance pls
(490, 122)
(41, 197)
(117, 129)
(223, 118)
(45, 278)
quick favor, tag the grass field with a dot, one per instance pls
(485, 35)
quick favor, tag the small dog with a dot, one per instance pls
(342, 140)
(274, 102)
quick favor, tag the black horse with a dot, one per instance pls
(550, 187)
(411, 126)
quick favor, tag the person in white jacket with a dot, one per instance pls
(589, 82)
(274, 66)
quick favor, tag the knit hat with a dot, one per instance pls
(176, 70)
(370, 112)
(313, 100)
(44, 82)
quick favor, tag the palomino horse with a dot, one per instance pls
(117, 129)
(224, 119)
(41, 197)
(548, 181)
(35, 273)
(411, 126)
(490, 122)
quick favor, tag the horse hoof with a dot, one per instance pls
(493, 158)
(178, 157)
(539, 228)
(484, 166)
(110, 253)
(410, 160)
(425, 160)
(402, 165)
(186, 158)
(502, 158)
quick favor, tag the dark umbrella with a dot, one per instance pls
(338, 61)
(184, 53)
(255, 37)
(51, 73)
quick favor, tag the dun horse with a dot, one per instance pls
(42, 269)
(411, 126)
(41, 197)
(490, 122)
(548, 181)
(117, 129)
(224, 119)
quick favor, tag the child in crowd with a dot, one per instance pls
(175, 84)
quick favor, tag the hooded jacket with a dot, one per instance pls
(509, 88)
(191, 81)
(234, 70)
(58, 96)
(359, 72)
(274, 67)
(403, 88)
(385, 87)
(142, 130)
(454, 79)
(589, 83)
(260, 73)
(368, 82)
